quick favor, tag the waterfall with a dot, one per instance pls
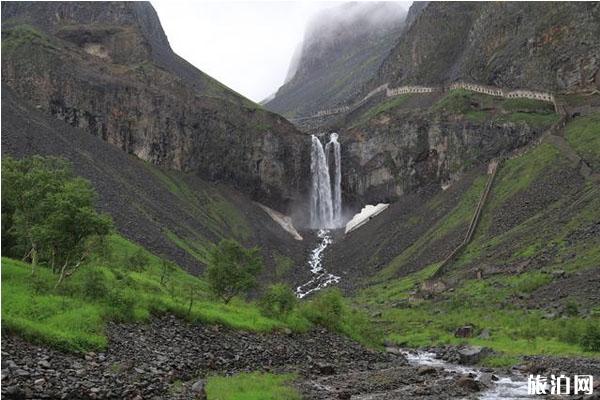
(326, 195)
(321, 208)
(325, 209)
(337, 177)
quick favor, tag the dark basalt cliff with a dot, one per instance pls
(108, 68)
(392, 156)
(342, 49)
(551, 46)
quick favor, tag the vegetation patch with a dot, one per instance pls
(382, 107)
(72, 317)
(459, 216)
(252, 386)
(23, 35)
(531, 119)
(583, 134)
(457, 101)
(527, 105)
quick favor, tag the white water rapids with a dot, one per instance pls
(321, 278)
(505, 388)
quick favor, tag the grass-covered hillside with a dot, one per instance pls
(527, 282)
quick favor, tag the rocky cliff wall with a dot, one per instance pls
(392, 156)
(109, 70)
(545, 46)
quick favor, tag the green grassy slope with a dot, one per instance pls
(72, 317)
(534, 251)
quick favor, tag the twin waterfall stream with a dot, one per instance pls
(325, 208)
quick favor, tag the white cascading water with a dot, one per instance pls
(325, 209)
(321, 278)
(321, 206)
(337, 177)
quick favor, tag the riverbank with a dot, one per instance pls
(167, 357)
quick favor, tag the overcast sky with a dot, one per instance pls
(245, 45)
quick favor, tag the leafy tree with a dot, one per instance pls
(279, 300)
(232, 269)
(51, 212)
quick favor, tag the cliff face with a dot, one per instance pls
(342, 49)
(108, 68)
(536, 45)
(388, 158)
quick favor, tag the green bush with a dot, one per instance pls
(121, 305)
(138, 261)
(590, 341)
(94, 286)
(232, 269)
(279, 300)
(572, 309)
(326, 309)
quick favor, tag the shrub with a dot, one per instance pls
(278, 301)
(138, 261)
(590, 341)
(166, 270)
(232, 269)
(326, 309)
(94, 286)
(121, 305)
(571, 309)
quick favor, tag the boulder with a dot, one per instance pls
(488, 378)
(484, 334)
(468, 383)
(472, 354)
(426, 370)
(198, 390)
(326, 369)
(464, 332)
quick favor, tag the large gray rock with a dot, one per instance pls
(472, 354)
(199, 390)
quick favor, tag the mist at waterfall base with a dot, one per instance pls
(325, 208)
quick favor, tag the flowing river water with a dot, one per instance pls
(321, 278)
(505, 388)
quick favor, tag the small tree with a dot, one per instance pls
(232, 269)
(279, 300)
(166, 269)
